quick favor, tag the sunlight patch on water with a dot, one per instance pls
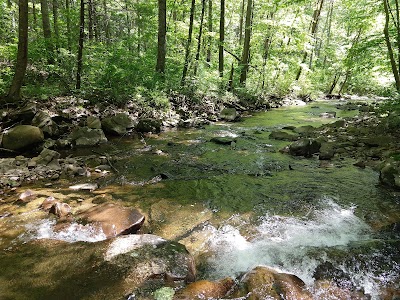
(74, 232)
(288, 244)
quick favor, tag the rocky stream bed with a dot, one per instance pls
(300, 202)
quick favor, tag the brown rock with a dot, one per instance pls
(48, 203)
(27, 196)
(205, 289)
(265, 283)
(61, 210)
(113, 219)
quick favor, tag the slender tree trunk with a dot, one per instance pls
(34, 15)
(221, 39)
(246, 47)
(106, 22)
(346, 77)
(313, 30)
(210, 29)
(55, 22)
(80, 45)
(393, 64)
(203, 6)
(90, 19)
(14, 94)
(68, 17)
(241, 22)
(334, 83)
(162, 32)
(189, 43)
(46, 29)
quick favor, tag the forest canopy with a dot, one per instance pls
(115, 50)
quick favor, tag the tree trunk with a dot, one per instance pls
(246, 47)
(241, 22)
(393, 64)
(334, 83)
(80, 45)
(221, 40)
(313, 30)
(90, 20)
(68, 17)
(106, 22)
(188, 44)
(210, 29)
(14, 94)
(55, 22)
(47, 30)
(34, 15)
(203, 6)
(162, 32)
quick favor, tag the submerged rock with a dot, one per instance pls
(205, 289)
(283, 136)
(304, 147)
(265, 283)
(223, 140)
(22, 136)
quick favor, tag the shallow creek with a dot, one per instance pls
(234, 206)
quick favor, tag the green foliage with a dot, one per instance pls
(119, 63)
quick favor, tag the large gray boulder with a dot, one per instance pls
(22, 136)
(304, 147)
(44, 121)
(87, 137)
(117, 125)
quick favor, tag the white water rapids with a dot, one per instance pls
(293, 245)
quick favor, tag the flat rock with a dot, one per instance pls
(113, 219)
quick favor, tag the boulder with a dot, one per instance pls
(48, 203)
(44, 121)
(148, 125)
(87, 137)
(265, 283)
(223, 140)
(304, 130)
(205, 289)
(283, 136)
(304, 147)
(61, 210)
(24, 114)
(22, 136)
(47, 156)
(113, 219)
(326, 289)
(93, 122)
(228, 114)
(390, 174)
(117, 125)
(326, 152)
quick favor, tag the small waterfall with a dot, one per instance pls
(293, 245)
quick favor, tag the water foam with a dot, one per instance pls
(74, 232)
(289, 244)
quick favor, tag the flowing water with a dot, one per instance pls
(260, 207)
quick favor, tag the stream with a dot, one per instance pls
(235, 201)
